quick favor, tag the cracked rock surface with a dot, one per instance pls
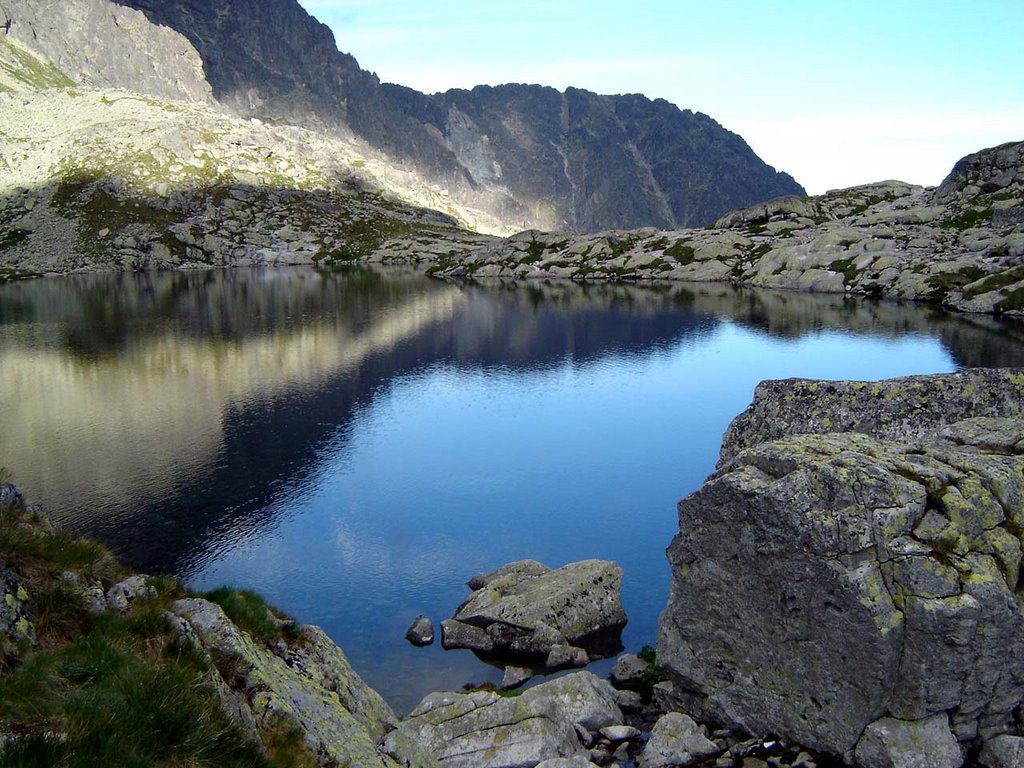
(825, 583)
(546, 619)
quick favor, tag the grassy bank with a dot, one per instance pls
(85, 687)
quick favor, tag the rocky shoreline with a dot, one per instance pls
(845, 589)
(142, 183)
(960, 245)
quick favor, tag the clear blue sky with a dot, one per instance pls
(834, 92)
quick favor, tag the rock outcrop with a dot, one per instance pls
(910, 407)
(852, 585)
(102, 44)
(134, 183)
(961, 245)
(531, 616)
(524, 155)
(307, 683)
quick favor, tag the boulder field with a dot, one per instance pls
(960, 244)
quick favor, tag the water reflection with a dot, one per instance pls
(356, 445)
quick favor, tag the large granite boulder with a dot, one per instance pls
(485, 730)
(676, 740)
(530, 615)
(830, 588)
(895, 409)
(307, 683)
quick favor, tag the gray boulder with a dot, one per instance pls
(485, 730)
(825, 583)
(891, 743)
(1003, 752)
(628, 666)
(124, 594)
(9, 495)
(676, 740)
(421, 633)
(577, 761)
(531, 615)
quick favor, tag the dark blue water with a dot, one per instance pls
(356, 446)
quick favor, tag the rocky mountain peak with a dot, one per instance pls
(529, 155)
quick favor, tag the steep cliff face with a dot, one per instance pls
(585, 162)
(531, 155)
(98, 43)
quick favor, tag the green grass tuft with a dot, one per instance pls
(250, 612)
(681, 252)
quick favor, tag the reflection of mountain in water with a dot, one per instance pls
(160, 412)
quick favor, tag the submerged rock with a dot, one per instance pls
(530, 615)
(853, 592)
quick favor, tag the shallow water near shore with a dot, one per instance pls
(355, 446)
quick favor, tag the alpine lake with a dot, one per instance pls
(356, 445)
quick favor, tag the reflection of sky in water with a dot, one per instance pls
(356, 446)
(451, 470)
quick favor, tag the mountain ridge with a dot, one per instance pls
(298, 74)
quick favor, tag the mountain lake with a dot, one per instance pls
(356, 445)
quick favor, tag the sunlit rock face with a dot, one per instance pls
(99, 43)
(526, 155)
(864, 571)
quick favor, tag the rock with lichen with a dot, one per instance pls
(485, 730)
(307, 683)
(835, 576)
(531, 615)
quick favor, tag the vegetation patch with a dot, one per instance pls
(995, 282)
(681, 252)
(1013, 302)
(492, 688)
(619, 247)
(968, 219)
(848, 268)
(30, 70)
(250, 612)
(757, 251)
(944, 282)
(118, 690)
(12, 237)
(644, 682)
(534, 252)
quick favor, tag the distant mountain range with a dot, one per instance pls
(529, 156)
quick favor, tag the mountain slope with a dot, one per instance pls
(101, 179)
(574, 161)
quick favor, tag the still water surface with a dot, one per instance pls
(356, 446)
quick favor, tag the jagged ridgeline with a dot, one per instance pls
(532, 156)
(518, 156)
